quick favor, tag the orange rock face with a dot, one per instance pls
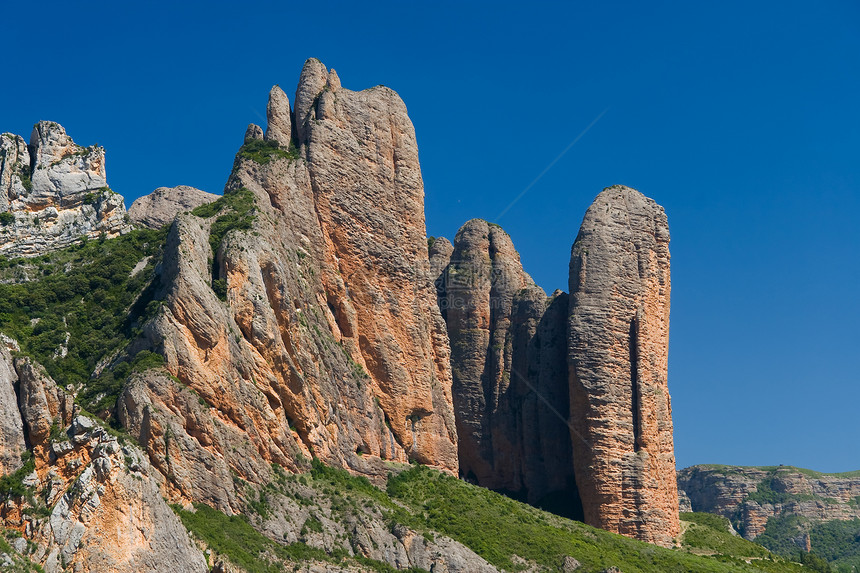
(329, 342)
(621, 419)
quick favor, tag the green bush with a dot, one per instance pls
(86, 291)
(6, 218)
(263, 152)
(12, 485)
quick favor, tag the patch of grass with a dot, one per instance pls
(245, 547)
(498, 528)
(710, 533)
(263, 152)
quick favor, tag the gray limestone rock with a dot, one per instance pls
(162, 205)
(279, 128)
(56, 193)
(11, 426)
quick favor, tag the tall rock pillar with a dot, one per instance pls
(618, 336)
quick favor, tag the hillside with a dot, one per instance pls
(784, 508)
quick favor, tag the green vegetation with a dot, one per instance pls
(16, 563)
(836, 542)
(235, 538)
(235, 211)
(839, 543)
(264, 151)
(82, 300)
(709, 534)
(765, 493)
(12, 485)
(6, 218)
(774, 469)
(498, 528)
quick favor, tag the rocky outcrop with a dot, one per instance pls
(749, 496)
(43, 406)
(11, 426)
(509, 368)
(620, 409)
(324, 337)
(481, 281)
(53, 193)
(279, 125)
(92, 503)
(160, 207)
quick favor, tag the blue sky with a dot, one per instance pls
(740, 118)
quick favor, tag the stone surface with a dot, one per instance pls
(508, 357)
(329, 342)
(253, 132)
(279, 127)
(160, 207)
(41, 403)
(813, 496)
(617, 356)
(107, 511)
(56, 192)
(11, 427)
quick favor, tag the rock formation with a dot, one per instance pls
(328, 342)
(563, 401)
(11, 426)
(508, 356)
(162, 205)
(298, 318)
(749, 496)
(620, 409)
(54, 193)
(102, 502)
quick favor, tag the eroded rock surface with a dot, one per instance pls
(510, 374)
(617, 356)
(98, 502)
(326, 340)
(749, 496)
(162, 205)
(55, 193)
(11, 426)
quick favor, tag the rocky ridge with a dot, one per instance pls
(160, 207)
(298, 319)
(54, 193)
(750, 496)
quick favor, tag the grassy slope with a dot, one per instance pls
(501, 530)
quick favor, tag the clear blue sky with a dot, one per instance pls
(740, 118)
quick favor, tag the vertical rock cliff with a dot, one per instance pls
(510, 375)
(53, 193)
(620, 409)
(300, 308)
(563, 401)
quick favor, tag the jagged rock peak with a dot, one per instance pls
(54, 193)
(279, 127)
(313, 79)
(253, 132)
(617, 359)
(162, 205)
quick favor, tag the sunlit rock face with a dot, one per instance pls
(54, 193)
